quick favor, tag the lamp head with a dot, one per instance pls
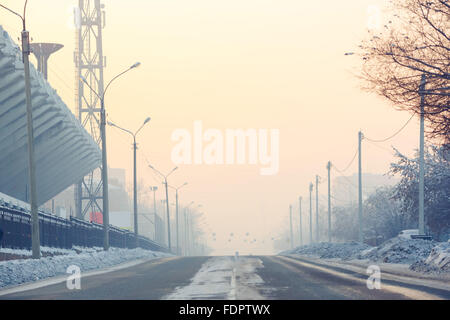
(137, 64)
(147, 120)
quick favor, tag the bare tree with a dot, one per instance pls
(414, 43)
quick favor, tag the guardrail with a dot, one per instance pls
(57, 232)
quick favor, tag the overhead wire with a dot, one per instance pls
(393, 135)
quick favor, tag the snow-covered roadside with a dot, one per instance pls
(437, 261)
(15, 272)
(388, 271)
(223, 278)
(427, 257)
(49, 251)
(326, 250)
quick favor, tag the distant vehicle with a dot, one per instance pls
(406, 234)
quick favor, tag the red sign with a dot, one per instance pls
(96, 217)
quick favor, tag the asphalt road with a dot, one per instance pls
(150, 280)
(276, 278)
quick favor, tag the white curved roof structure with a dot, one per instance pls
(64, 151)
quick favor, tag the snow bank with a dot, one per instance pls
(14, 272)
(438, 261)
(420, 255)
(49, 251)
(326, 250)
(399, 250)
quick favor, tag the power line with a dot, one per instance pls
(392, 136)
(382, 148)
(348, 166)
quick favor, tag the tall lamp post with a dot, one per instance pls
(136, 233)
(176, 210)
(154, 189)
(186, 239)
(35, 241)
(167, 200)
(101, 96)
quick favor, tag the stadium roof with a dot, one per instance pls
(64, 150)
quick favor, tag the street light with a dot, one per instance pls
(101, 96)
(188, 228)
(134, 174)
(154, 189)
(186, 235)
(167, 200)
(35, 241)
(193, 236)
(176, 203)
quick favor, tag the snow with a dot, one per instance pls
(326, 250)
(223, 278)
(400, 250)
(419, 255)
(15, 272)
(438, 261)
(49, 251)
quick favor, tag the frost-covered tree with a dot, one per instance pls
(415, 42)
(345, 223)
(384, 218)
(436, 185)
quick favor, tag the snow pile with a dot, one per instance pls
(438, 260)
(326, 250)
(14, 272)
(47, 251)
(399, 250)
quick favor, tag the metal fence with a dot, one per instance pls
(57, 232)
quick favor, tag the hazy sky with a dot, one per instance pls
(232, 64)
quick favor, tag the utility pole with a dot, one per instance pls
(167, 201)
(154, 207)
(135, 202)
(310, 213)
(422, 156)
(176, 222)
(35, 241)
(186, 228)
(300, 218)
(290, 219)
(176, 218)
(104, 177)
(329, 200)
(186, 236)
(168, 214)
(317, 208)
(104, 169)
(360, 209)
(135, 209)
